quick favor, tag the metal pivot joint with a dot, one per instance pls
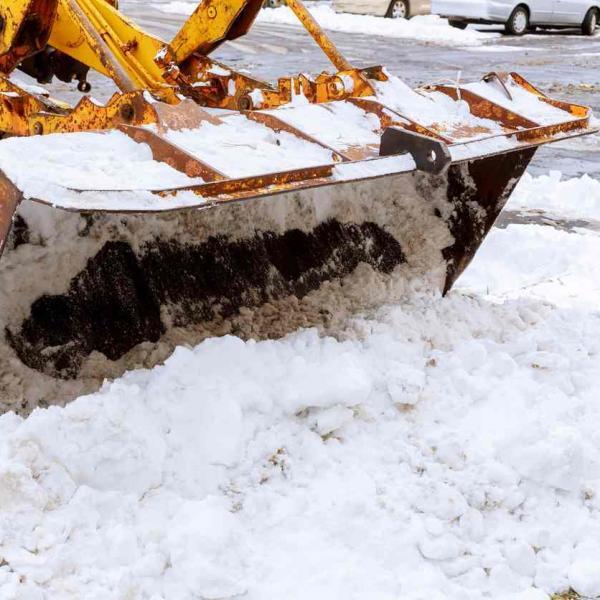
(430, 155)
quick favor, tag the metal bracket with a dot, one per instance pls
(430, 155)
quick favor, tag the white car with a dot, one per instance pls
(395, 9)
(519, 17)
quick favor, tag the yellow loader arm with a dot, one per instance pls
(66, 38)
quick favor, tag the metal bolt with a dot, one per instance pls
(212, 12)
(245, 103)
(127, 112)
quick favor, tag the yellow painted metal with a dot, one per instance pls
(99, 36)
(25, 28)
(95, 34)
(209, 24)
(323, 40)
(14, 14)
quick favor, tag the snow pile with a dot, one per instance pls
(549, 263)
(445, 450)
(430, 28)
(442, 449)
(449, 117)
(576, 198)
(87, 160)
(552, 265)
(66, 162)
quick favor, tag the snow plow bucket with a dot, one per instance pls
(126, 243)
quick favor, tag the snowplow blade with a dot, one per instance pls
(127, 243)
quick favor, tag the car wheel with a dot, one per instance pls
(457, 24)
(588, 27)
(518, 22)
(398, 10)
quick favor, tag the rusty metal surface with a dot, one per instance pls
(26, 29)
(129, 109)
(186, 115)
(478, 199)
(257, 185)
(10, 197)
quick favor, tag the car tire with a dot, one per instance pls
(457, 24)
(398, 9)
(588, 27)
(518, 22)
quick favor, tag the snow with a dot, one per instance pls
(442, 448)
(576, 198)
(521, 101)
(554, 266)
(88, 161)
(374, 167)
(447, 116)
(239, 147)
(430, 28)
(91, 161)
(340, 125)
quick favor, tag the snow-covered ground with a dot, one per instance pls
(430, 28)
(438, 449)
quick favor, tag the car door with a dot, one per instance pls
(542, 11)
(570, 12)
(363, 7)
